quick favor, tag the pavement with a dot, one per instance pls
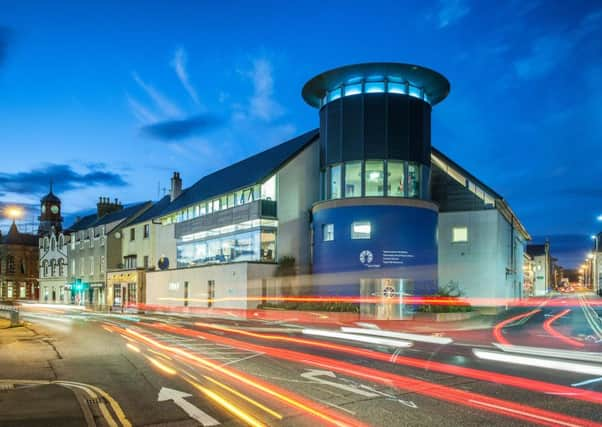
(67, 367)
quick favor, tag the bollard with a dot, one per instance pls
(14, 318)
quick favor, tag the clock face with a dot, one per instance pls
(43, 208)
(54, 209)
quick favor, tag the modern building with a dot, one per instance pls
(544, 280)
(94, 247)
(19, 265)
(364, 205)
(52, 250)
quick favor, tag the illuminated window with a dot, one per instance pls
(396, 88)
(353, 179)
(335, 182)
(334, 94)
(459, 234)
(268, 189)
(413, 180)
(353, 89)
(328, 232)
(361, 230)
(396, 179)
(374, 178)
(374, 87)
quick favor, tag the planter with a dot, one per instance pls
(445, 317)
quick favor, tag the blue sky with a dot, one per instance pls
(110, 97)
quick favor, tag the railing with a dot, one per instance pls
(13, 312)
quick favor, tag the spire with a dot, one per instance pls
(51, 186)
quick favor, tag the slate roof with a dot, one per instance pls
(14, 237)
(155, 211)
(244, 173)
(93, 221)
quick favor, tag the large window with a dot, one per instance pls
(353, 179)
(374, 178)
(413, 180)
(335, 182)
(459, 234)
(254, 245)
(328, 232)
(361, 230)
(396, 179)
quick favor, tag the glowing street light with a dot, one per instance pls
(599, 217)
(14, 212)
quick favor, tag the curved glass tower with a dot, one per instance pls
(375, 226)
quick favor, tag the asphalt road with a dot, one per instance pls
(150, 369)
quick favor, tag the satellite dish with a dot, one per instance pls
(163, 263)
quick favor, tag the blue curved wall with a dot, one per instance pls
(403, 245)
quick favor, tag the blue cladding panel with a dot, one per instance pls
(403, 244)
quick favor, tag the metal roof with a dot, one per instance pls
(155, 211)
(244, 173)
(434, 84)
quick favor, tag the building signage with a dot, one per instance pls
(173, 286)
(395, 257)
(366, 258)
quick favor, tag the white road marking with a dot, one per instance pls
(400, 335)
(179, 398)
(313, 374)
(593, 380)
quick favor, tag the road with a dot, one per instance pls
(77, 367)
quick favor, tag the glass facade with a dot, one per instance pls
(375, 178)
(353, 179)
(335, 182)
(255, 245)
(265, 191)
(376, 84)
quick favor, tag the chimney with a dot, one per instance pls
(176, 186)
(105, 206)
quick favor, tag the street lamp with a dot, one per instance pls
(14, 212)
(599, 217)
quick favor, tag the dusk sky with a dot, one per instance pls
(108, 98)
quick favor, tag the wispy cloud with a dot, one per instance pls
(545, 53)
(451, 11)
(36, 181)
(179, 65)
(262, 103)
(549, 50)
(143, 114)
(170, 130)
(165, 105)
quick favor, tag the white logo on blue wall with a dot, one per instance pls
(366, 257)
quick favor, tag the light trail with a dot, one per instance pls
(481, 375)
(440, 392)
(233, 409)
(319, 412)
(547, 325)
(497, 329)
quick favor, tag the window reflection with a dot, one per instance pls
(413, 180)
(353, 179)
(396, 181)
(335, 182)
(374, 177)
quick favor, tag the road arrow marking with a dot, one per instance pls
(179, 398)
(313, 375)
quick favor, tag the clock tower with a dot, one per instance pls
(50, 207)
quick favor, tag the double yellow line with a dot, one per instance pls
(93, 392)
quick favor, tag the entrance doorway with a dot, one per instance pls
(389, 302)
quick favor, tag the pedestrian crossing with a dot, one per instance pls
(220, 353)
